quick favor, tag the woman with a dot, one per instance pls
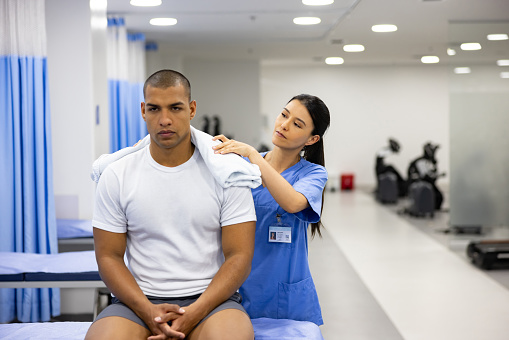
(280, 285)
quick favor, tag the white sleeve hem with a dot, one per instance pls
(241, 219)
(107, 227)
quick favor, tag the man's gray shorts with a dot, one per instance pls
(117, 308)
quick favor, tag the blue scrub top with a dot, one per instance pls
(280, 285)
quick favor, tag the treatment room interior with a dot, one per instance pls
(379, 274)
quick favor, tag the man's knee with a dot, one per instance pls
(113, 327)
(228, 324)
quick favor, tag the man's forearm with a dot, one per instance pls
(228, 279)
(225, 283)
(122, 284)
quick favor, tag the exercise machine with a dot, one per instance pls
(425, 197)
(489, 254)
(390, 184)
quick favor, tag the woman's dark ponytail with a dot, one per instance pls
(315, 153)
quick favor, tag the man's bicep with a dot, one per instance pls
(110, 244)
(238, 238)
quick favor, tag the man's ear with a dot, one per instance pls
(192, 106)
(143, 110)
(312, 140)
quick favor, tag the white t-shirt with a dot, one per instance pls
(173, 218)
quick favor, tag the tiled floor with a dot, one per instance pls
(381, 275)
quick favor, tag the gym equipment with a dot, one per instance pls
(489, 254)
(206, 124)
(387, 188)
(421, 199)
(381, 169)
(424, 169)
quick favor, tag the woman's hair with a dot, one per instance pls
(315, 153)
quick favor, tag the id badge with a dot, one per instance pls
(280, 233)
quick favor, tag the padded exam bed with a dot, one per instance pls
(74, 235)
(62, 270)
(71, 228)
(265, 329)
(79, 269)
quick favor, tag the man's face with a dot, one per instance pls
(168, 114)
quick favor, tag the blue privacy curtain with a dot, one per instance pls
(27, 212)
(126, 75)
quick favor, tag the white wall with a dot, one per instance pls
(78, 89)
(71, 75)
(229, 90)
(163, 58)
(368, 105)
(100, 79)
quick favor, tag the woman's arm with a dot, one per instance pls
(283, 192)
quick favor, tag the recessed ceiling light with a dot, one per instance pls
(353, 48)
(317, 2)
(98, 5)
(462, 70)
(306, 21)
(384, 28)
(504, 75)
(430, 59)
(451, 51)
(503, 62)
(470, 46)
(497, 36)
(163, 21)
(145, 3)
(334, 61)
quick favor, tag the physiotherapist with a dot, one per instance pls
(290, 200)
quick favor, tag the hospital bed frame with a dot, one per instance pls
(62, 270)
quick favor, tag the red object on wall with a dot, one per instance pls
(347, 181)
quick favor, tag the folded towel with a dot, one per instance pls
(229, 170)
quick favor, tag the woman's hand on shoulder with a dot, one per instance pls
(233, 146)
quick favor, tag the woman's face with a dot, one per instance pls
(293, 128)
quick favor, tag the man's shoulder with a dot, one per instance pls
(128, 160)
(125, 165)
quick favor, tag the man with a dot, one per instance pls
(188, 241)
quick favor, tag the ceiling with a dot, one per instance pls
(263, 30)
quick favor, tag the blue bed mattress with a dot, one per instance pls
(69, 228)
(265, 329)
(71, 266)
